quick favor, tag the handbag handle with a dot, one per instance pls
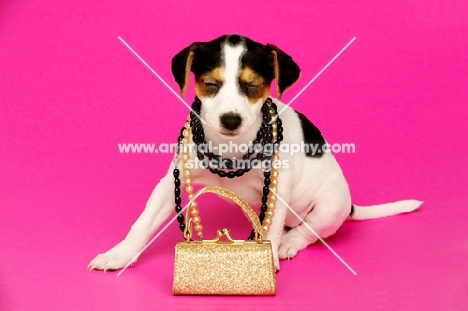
(234, 197)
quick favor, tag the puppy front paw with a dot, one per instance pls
(115, 258)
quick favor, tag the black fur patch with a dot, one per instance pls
(257, 59)
(311, 137)
(207, 57)
(234, 39)
(288, 69)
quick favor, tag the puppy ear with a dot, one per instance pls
(286, 70)
(181, 66)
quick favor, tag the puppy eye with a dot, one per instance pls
(212, 86)
(210, 83)
(252, 90)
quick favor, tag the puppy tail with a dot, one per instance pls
(384, 210)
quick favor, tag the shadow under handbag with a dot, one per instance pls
(231, 267)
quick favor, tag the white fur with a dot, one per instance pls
(314, 187)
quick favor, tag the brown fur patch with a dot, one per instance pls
(263, 93)
(249, 77)
(188, 66)
(214, 76)
(276, 67)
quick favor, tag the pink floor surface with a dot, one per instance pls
(71, 91)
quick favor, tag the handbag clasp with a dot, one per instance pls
(226, 232)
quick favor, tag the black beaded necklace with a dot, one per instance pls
(263, 140)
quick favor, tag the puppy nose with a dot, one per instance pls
(230, 120)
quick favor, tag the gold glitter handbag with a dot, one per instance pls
(232, 267)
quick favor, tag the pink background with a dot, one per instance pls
(70, 91)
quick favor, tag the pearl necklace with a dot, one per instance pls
(193, 128)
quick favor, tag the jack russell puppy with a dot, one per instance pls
(233, 75)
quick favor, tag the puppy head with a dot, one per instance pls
(233, 75)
